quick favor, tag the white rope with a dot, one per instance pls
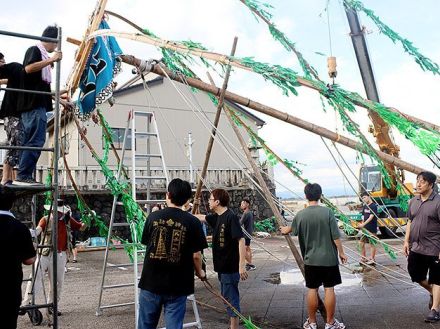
(373, 237)
(357, 179)
(220, 141)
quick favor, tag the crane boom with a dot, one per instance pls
(381, 130)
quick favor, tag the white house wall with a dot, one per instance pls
(175, 120)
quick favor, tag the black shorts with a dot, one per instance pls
(247, 242)
(418, 266)
(316, 276)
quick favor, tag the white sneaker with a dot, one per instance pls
(310, 325)
(335, 325)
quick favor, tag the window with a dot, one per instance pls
(118, 138)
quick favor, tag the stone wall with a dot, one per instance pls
(102, 204)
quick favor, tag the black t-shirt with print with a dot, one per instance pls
(171, 237)
(16, 242)
(226, 234)
(366, 212)
(34, 81)
(14, 73)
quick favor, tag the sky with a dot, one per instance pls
(315, 28)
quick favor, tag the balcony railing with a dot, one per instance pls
(90, 178)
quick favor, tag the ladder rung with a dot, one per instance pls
(143, 114)
(124, 265)
(122, 285)
(149, 201)
(116, 305)
(150, 177)
(146, 156)
(120, 224)
(144, 134)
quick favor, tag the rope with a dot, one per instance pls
(387, 212)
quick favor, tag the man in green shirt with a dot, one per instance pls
(320, 243)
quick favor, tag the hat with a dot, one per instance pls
(61, 207)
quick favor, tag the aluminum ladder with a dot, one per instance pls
(139, 153)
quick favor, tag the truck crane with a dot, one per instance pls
(370, 177)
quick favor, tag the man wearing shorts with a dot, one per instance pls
(422, 240)
(320, 243)
(12, 73)
(369, 223)
(247, 223)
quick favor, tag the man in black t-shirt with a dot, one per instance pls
(174, 240)
(17, 248)
(12, 74)
(228, 250)
(369, 223)
(37, 66)
(247, 221)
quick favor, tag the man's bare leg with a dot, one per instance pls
(435, 297)
(312, 304)
(330, 304)
(8, 172)
(234, 322)
(425, 284)
(248, 255)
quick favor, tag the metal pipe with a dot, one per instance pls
(49, 149)
(28, 36)
(55, 183)
(29, 91)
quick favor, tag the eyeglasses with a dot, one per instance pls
(211, 199)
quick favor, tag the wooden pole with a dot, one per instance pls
(224, 59)
(85, 47)
(214, 131)
(283, 116)
(267, 194)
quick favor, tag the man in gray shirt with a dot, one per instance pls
(422, 240)
(247, 223)
(320, 243)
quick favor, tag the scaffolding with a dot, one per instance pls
(34, 190)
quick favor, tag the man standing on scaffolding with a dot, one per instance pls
(12, 74)
(37, 66)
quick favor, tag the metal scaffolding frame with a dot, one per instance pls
(56, 154)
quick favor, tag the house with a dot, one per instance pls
(181, 121)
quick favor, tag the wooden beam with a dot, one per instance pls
(73, 41)
(224, 59)
(85, 47)
(212, 136)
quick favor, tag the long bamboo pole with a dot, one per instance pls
(267, 194)
(283, 116)
(214, 131)
(224, 59)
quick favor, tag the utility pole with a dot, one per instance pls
(191, 169)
